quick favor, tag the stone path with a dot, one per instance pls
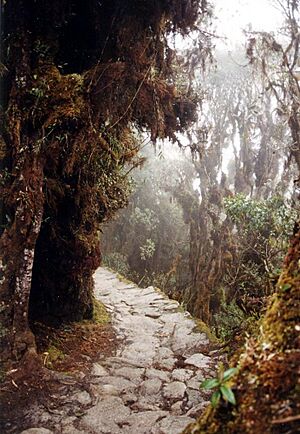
(151, 386)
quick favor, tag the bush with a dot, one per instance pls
(117, 262)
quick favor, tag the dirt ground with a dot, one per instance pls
(65, 356)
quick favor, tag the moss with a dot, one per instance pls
(268, 380)
(100, 314)
(204, 328)
(52, 355)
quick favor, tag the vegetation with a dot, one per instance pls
(94, 100)
(70, 106)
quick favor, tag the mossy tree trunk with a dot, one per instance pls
(267, 384)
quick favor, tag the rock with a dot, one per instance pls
(157, 373)
(39, 430)
(151, 387)
(199, 360)
(176, 408)
(182, 374)
(132, 374)
(198, 409)
(174, 424)
(171, 306)
(107, 416)
(141, 423)
(144, 404)
(83, 398)
(70, 429)
(164, 353)
(108, 389)
(119, 383)
(167, 364)
(196, 380)
(174, 390)
(194, 398)
(129, 398)
(152, 313)
(98, 370)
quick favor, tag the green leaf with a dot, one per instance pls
(228, 394)
(215, 398)
(286, 286)
(210, 384)
(229, 373)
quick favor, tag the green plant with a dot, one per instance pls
(222, 384)
(117, 262)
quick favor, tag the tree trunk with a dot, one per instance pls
(17, 247)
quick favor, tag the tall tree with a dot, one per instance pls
(266, 386)
(79, 75)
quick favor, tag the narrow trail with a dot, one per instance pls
(151, 385)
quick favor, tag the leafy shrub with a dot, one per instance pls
(117, 262)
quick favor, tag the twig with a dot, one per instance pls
(286, 419)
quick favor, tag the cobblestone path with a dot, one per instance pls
(151, 385)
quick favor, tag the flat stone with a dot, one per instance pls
(174, 390)
(157, 373)
(142, 422)
(98, 370)
(196, 380)
(164, 352)
(107, 416)
(145, 404)
(152, 313)
(132, 374)
(83, 398)
(167, 364)
(199, 360)
(151, 387)
(108, 389)
(194, 398)
(182, 374)
(119, 383)
(174, 424)
(171, 306)
(39, 430)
